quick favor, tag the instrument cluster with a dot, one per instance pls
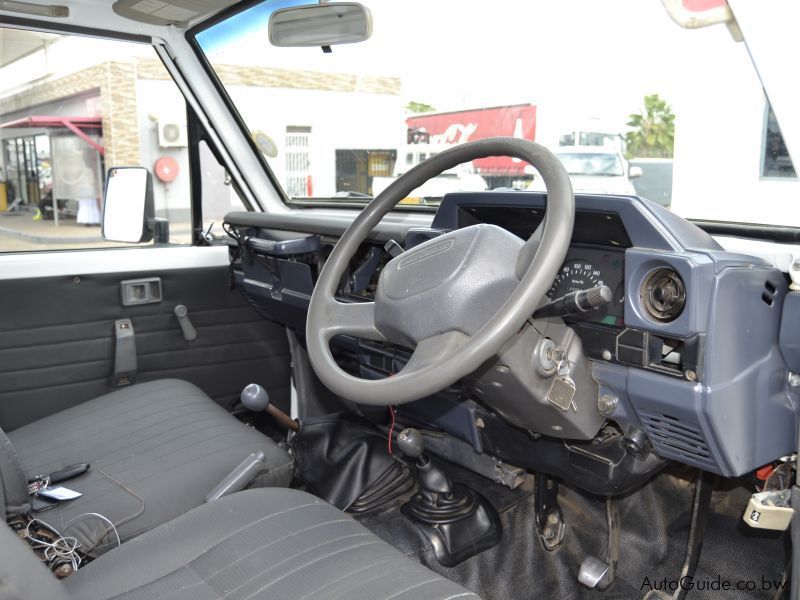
(587, 268)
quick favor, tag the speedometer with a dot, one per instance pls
(573, 276)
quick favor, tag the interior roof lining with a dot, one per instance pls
(180, 13)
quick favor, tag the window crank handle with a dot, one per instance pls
(189, 332)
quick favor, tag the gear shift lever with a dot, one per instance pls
(433, 482)
(255, 398)
(458, 521)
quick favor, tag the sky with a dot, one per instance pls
(594, 58)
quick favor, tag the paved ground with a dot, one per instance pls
(19, 232)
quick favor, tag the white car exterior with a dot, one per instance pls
(594, 170)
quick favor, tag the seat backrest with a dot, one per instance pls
(22, 575)
(13, 480)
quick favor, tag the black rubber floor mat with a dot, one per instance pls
(654, 528)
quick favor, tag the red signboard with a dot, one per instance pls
(469, 125)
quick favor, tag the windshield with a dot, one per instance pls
(685, 108)
(591, 164)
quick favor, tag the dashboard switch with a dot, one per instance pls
(631, 337)
(632, 356)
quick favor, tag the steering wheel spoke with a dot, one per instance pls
(351, 318)
(433, 350)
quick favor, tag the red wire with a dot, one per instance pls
(391, 427)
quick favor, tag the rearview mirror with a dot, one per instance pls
(634, 172)
(128, 206)
(320, 25)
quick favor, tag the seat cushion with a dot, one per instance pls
(155, 449)
(260, 544)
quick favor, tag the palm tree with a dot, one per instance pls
(419, 107)
(653, 130)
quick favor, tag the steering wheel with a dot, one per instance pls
(457, 298)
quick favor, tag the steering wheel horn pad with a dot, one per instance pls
(455, 282)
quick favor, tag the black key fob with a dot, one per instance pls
(68, 472)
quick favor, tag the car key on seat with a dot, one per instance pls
(68, 472)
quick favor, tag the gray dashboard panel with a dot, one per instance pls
(644, 227)
(739, 414)
(790, 331)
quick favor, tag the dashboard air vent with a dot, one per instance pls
(768, 295)
(677, 439)
(663, 295)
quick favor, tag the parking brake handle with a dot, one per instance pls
(242, 475)
(189, 332)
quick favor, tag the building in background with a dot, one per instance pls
(316, 126)
(68, 115)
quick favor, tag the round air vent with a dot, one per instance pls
(663, 295)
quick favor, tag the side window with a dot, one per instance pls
(70, 108)
(776, 161)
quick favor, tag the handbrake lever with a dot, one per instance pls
(575, 302)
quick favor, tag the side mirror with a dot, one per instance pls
(634, 172)
(128, 207)
(320, 24)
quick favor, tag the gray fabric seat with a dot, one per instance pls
(260, 544)
(155, 449)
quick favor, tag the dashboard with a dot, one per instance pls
(687, 351)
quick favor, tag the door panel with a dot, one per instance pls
(57, 340)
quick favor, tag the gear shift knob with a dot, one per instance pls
(411, 443)
(254, 397)
(432, 480)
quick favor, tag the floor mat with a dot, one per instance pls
(654, 528)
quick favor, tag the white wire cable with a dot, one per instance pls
(94, 515)
(62, 547)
